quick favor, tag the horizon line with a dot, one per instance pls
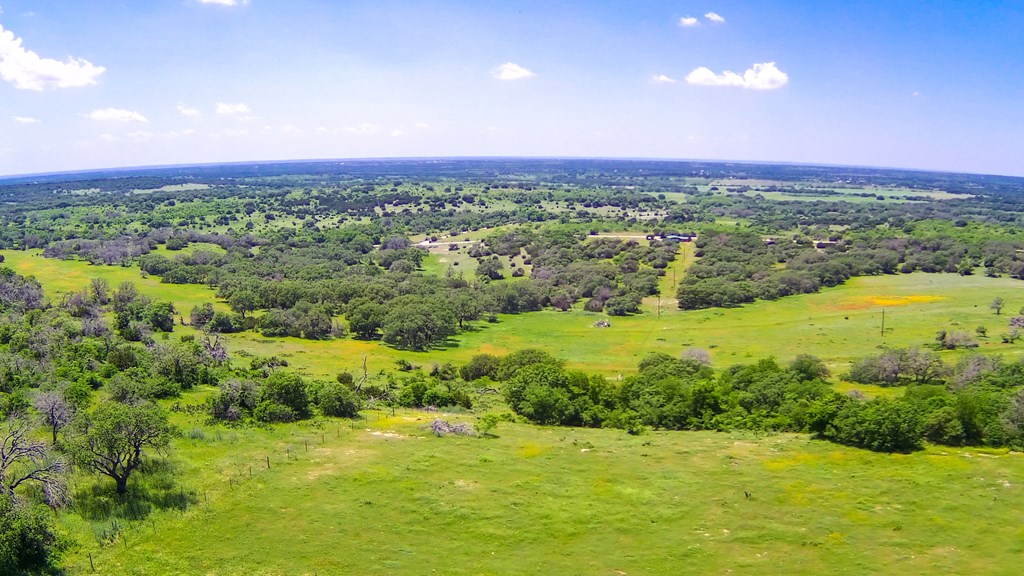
(127, 169)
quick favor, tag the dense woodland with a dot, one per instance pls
(337, 250)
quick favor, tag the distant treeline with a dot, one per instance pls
(739, 267)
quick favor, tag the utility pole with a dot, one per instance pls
(883, 322)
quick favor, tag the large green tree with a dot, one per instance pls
(365, 317)
(114, 438)
(417, 323)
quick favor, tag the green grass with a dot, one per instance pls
(837, 324)
(842, 192)
(61, 277)
(386, 497)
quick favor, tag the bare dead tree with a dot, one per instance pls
(215, 347)
(57, 413)
(24, 460)
(363, 380)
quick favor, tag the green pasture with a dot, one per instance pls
(383, 496)
(844, 192)
(837, 324)
(783, 196)
(162, 250)
(61, 277)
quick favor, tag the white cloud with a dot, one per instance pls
(227, 108)
(916, 94)
(28, 71)
(108, 138)
(423, 126)
(25, 120)
(363, 129)
(764, 76)
(189, 111)
(714, 17)
(225, 2)
(511, 71)
(688, 22)
(662, 79)
(140, 135)
(397, 132)
(117, 115)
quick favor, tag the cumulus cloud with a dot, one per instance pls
(662, 79)
(765, 76)
(225, 2)
(689, 22)
(26, 70)
(714, 17)
(25, 120)
(228, 108)
(117, 115)
(511, 71)
(188, 111)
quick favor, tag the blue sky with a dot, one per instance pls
(930, 85)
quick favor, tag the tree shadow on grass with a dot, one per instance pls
(447, 343)
(149, 490)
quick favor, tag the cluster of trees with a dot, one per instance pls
(266, 394)
(738, 267)
(979, 402)
(280, 397)
(373, 281)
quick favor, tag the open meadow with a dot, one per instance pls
(385, 496)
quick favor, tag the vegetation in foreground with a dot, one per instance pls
(385, 496)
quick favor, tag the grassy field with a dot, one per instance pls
(837, 324)
(60, 277)
(383, 496)
(841, 191)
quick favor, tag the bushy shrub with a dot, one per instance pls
(880, 425)
(234, 400)
(282, 389)
(336, 399)
(480, 366)
(28, 542)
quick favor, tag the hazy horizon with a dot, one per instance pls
(400, 159)
(916, 86)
